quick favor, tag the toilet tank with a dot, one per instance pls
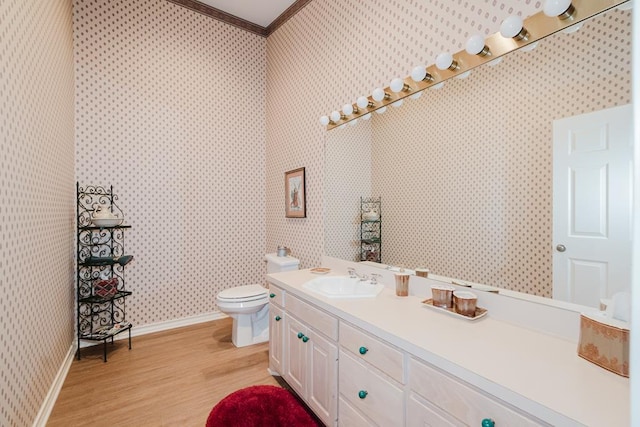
(276, 264)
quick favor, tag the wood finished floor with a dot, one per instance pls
(170, 378)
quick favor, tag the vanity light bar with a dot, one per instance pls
(537, 27)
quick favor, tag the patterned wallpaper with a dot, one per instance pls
(330, 53)
(170, 111)
(503, 227)
(36, 202)
(348, 177)
(467, 178)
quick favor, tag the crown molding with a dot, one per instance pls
(220, 15)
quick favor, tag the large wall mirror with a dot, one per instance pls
(465, 172)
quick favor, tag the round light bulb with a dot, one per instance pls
(398, 103)
(335, 116)
(418, 73)
(416, 95)
(511, 27)
(324, 120)
(573, 28)
(366, 116)
(444, 61)
(475, 44)
(347, 109)
(626, 6)
(378, 94)
(381, 110)
(397, 85)
(362, 102)
(495, 61)
(556, 7)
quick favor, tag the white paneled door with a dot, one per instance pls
(592, 173)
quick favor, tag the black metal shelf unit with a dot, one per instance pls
(100, 280)
(370, 229)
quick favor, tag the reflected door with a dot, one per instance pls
(592, 168)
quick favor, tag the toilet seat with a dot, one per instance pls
(240, 294)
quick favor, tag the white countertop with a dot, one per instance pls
(538, 373)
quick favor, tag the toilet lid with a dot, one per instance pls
(243, 292)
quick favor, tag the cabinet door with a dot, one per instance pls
(322, 379)
(296, 355)
(276, 339)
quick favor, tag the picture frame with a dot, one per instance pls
(295, 194)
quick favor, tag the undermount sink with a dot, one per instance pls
(343, 287)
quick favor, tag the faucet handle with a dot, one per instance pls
(374, 278)
(352, 272)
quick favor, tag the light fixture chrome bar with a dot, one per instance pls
(538, 27)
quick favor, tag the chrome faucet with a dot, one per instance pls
(374, 278)
(354, 275)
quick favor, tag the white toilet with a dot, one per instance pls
(249, 305)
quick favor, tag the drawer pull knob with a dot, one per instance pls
(300, 335)
(363, 350)
(488, 422)
(272, 295)
(278, 318)
(362, 394)
(305, 338)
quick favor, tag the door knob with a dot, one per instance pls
(561, 248)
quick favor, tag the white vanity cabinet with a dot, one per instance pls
(436, 396)
(276, 329)
(311, 357)
(371, 378)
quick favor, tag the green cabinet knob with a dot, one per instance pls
(363, 350)
(488, 422)
(278, 318)
(300, 335)
(272, 295)
(305, 338)
(362, 394)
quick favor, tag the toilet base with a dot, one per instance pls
(249, 329)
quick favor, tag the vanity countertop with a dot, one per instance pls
(538, 373)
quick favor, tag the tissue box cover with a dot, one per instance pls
(605, 342)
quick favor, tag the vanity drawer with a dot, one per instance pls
(421, 413)
(276, 295)
(460, 400)
(319, 320)
(369, 393)
(376, 352)
(349, 417)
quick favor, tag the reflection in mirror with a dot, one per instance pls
(466, 172)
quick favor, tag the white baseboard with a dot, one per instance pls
(176, 323)
(50, 399)
(137, 331)
(54, 390)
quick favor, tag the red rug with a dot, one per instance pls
(260, 406)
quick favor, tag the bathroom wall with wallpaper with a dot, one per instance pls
(170, 111)
(467, 178)
(36, 202)
(331, 52)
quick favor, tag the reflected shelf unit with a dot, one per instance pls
(100, 281)
(370, 229)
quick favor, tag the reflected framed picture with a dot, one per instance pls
(295, 194)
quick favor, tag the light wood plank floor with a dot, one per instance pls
(170, 378)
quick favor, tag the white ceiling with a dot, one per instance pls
(261, 12)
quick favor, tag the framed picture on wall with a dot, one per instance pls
(295, 194)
